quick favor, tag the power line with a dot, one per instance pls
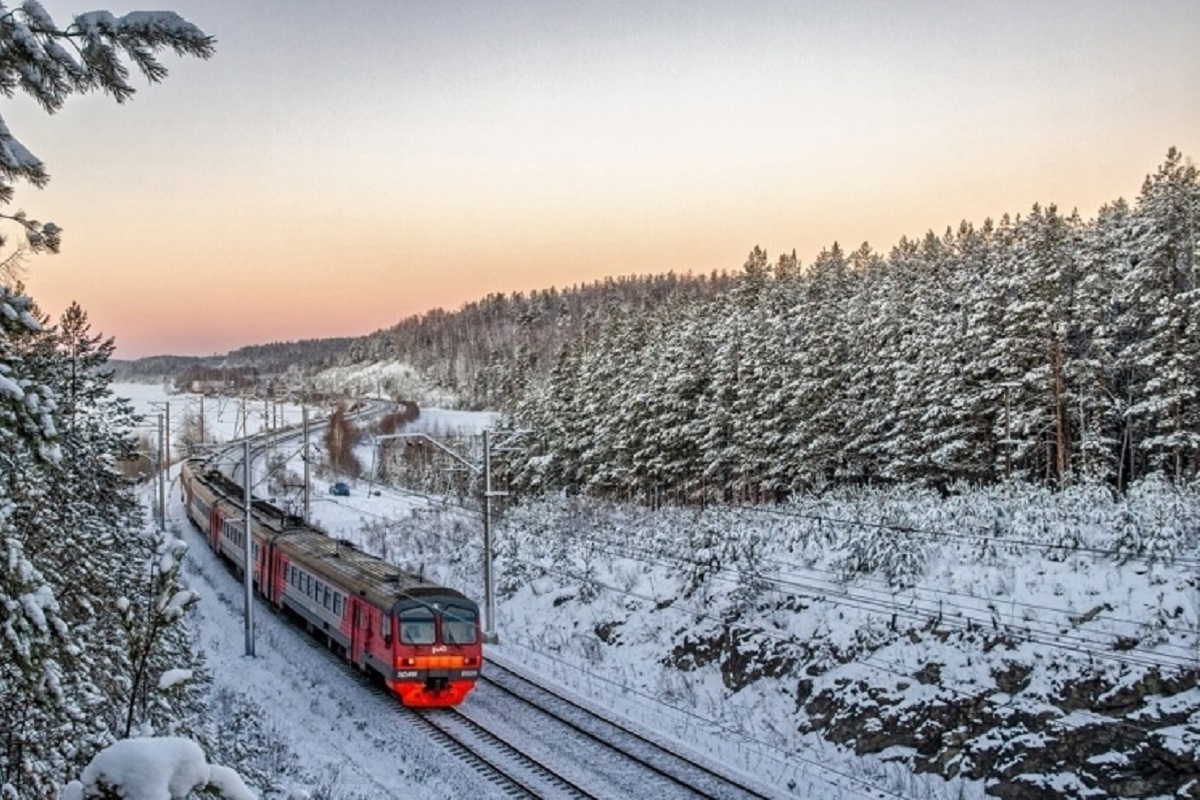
(866, 660)
(740, 733)
(980, 538)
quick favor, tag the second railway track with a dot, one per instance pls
(662, 771)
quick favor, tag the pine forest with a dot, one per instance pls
(1040, 348)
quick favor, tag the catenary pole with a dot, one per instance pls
(489, 592)
(304, 418)
(162, 479)
(248, 572)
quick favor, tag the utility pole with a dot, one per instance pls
(489, 634)
(267, 436)
(167, 446)
(248, 572)
(489, 594)
(162, 479)
(304, 419)
(201, 418)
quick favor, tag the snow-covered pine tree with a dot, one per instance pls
(139, 567)
(33, 639)
(730, 443)
(818, 359)
(1041, 285)
(682, 363)
(1161, 300)
(1101, 391)
(898, 338)
(50, 64)
(32, 635)
(608, 404)
(783, 329)
(869, 372)
(64, 515)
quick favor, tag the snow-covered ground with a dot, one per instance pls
(722, 631)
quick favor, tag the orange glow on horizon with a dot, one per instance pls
(276, 194)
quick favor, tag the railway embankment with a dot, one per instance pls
(1029, 725)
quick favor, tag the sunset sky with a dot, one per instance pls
(337, 167)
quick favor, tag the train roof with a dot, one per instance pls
(265, 512)
(341, 563)
(336, 560)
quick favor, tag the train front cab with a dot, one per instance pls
(438, 650)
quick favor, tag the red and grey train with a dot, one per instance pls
(423, 640)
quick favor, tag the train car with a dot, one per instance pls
(422, 640)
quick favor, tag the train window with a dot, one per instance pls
(328, 601)
(458, 625)
(416, 626)
(337, 604)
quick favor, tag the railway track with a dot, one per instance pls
(499, 764)
(682, 774)
(507, 763)
(514, 765)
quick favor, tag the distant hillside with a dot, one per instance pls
(488, 351)
(309, 355)
(481, 356)
(155, 369)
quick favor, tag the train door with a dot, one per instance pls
(359, 624)
(276, 574)
(214, 527)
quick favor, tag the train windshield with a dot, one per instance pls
(458, 625)
(416, 626)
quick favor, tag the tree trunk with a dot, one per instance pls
(1062, 442)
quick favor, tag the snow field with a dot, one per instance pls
(716, 629)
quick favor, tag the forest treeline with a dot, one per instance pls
(1042, 347)
(485, 352)
(307, 355)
